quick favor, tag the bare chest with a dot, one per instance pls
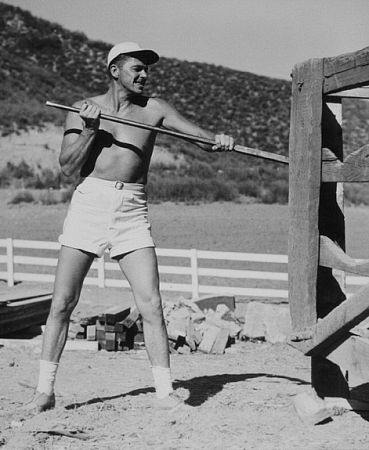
(130, 134)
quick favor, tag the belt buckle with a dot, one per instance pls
(119, 185)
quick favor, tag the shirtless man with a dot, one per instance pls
(108, 210)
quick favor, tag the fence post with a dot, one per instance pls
(10, 261)
(101, 271)
(194, 273)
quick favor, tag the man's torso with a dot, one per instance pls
(123, 152)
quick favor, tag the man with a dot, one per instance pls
(108, 210)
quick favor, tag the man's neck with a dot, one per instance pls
(120, 99)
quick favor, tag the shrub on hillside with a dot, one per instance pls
(356, 194)
(190, 189)
(22, 197)
(275, 192)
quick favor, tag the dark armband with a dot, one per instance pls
(72, 130)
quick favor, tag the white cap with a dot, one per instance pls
(132, 49)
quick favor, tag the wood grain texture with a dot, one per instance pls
(354, 168)
(350, 70)
(331, 255)
(335, 327)
(304, 190)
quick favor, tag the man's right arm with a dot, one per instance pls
(79, 136)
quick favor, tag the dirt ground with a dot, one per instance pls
(239, 400)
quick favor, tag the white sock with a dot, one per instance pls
(162, 381)
(47, 375)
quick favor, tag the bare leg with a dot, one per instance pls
(72, 268)
(141, 270)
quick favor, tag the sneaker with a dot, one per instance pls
(169, 403)
(40, 402)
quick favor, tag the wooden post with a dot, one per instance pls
(10, 261)
(326, 377)
(304, 191)
(194, 274)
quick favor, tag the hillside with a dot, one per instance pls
(43, 61)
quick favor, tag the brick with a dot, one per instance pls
(110, 341)
(91, 332)
(208, 339)
(220, 341)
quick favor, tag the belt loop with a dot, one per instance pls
(119, 185)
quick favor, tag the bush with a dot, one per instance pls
(356, 194)
(22, 197)
(275, 192)
(190, 189)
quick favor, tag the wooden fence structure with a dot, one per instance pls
(186, 264)
(322, 314)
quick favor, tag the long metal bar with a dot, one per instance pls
(189, 137)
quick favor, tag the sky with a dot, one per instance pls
(266, 37)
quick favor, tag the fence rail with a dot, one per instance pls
(200, 280)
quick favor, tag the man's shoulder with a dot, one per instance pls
(157, 103)
(97, 100)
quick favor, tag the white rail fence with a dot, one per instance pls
(193, 276)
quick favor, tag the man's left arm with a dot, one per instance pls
(173, 120)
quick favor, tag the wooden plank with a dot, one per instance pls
(24, 314)
(350, 70)
(337, 324)
(132, 317)
(355, 167)
(331, 255)
(15, 294)
(211, 302)
(352, 356)
(114, 314)
(358, 93)
(305, 146)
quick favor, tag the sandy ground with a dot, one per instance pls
(239, 400)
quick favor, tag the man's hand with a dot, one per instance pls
(223, 143)
(90, 114)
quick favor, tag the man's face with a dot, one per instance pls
(133, 75)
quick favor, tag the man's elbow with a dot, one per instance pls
(66, 169)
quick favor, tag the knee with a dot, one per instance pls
(62, 306)
(151, 308)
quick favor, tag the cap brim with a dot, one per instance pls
(146, 56)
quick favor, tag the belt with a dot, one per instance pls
(119, 185)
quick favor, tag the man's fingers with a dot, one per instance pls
(223, 142)
(90, 111)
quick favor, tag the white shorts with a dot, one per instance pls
(107, 215)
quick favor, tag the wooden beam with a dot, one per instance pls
(305, 146)
(350, 70)
(331, 255)
(358, 93)
(337, 324)
(354, 168)
(24, 314)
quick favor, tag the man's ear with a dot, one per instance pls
(114, 71)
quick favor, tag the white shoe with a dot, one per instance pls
(39, 403)
(169, 403)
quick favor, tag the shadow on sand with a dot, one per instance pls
(200, 388)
